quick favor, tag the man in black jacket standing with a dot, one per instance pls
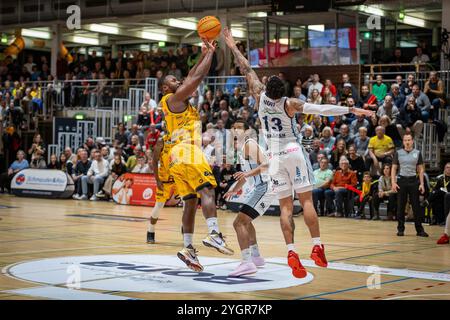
(410, 117)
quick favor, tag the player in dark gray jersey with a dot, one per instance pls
(289, 168)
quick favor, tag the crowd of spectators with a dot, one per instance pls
(345, 151)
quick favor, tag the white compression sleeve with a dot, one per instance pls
(325, 109)
(155, 212)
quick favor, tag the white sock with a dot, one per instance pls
(213, 225)
(187, 238)
(447, 224)
(155, 215)
(246, 255)
(255, 250)
(291, 247)
(316, 241)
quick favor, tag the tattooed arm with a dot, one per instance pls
(255, 86)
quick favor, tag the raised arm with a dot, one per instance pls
(294, 105)
(254, 85)
(177, 100)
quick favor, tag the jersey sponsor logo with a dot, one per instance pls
(299, 177)
(154, 273)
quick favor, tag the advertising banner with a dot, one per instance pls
(42, 183)
(138, 189)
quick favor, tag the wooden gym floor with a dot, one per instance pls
(34, 229)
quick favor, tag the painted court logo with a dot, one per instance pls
(153, 273)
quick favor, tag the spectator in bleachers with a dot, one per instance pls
(338, 190)
(397, 97)
(96, 175)
(152, 137)
(420, 57)
(226, 180)
(408, 86)
(315, 97)
(20, 164)
(134, 131)
(106, 154)
(313, 83)
(287, 84)
(143, 120)
(381, 150)
(391, 130)
(358, 123)
(323, 178)
(53, 163)
(434, 89)
(388, 109)
(338, 152)
(385, 193)
(361, 142)
(226, 119)
(116, 168)
(71, 157)
(64, 165)
(37, 152)
(327, 140)
(90, 144)
(356, 162)
(132, 160)
(367, 190)
(379, 89)
(231, 82)
(367, 100)
(307, 138)
(422, 102)
(330, 86)
(345, 134)
(315, 150)
(121, 135)
(196, 99)
(81, 169)
(317, 125)
(341, 88)
(298, 93)
(440, 198)
(410, 118)
(345, 94)
(141, 165)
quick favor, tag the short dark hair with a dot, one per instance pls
(275, 88)
(240, 120)
(367, 173)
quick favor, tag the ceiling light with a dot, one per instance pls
(237, 33)
(153, 36)
(101, 28)
(85, 40)
(182, 24)
(372, 10)
(413, 21)
(36, 34)
(317, 27)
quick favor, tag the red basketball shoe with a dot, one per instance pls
(444, 239)
(298, 270)
(318, 255)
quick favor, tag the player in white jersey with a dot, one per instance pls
(254, 171)
(289, 168)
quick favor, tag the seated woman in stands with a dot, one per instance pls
(37, 152)
(385, 193)
(53, 163)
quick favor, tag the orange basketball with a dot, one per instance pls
(208, 27)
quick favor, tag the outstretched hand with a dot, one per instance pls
(208, 45)
(363, 112)
(226, 33)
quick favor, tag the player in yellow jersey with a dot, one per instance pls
(188, 165)
(164, 180)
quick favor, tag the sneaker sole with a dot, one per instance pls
(150, 241)
(193, 266)
(245, 273)
(228, 252)
(318, 261)
(298, 270)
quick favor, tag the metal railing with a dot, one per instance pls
(225, 83)
(429, 147)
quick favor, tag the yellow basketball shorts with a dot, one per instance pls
(192, 176)
(170, 189)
